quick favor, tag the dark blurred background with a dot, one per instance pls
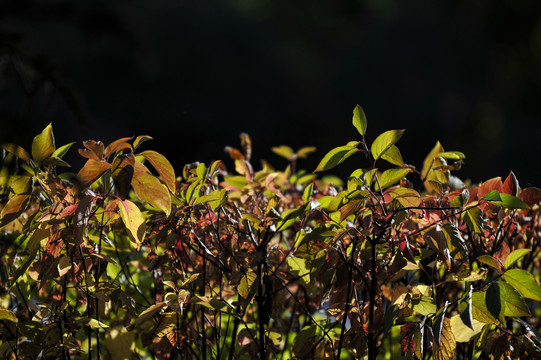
(194, 74)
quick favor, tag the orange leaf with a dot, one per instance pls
(92, 170)
(162, 166)
(117, 145)
(488, 186)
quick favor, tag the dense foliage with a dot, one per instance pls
(128, 259)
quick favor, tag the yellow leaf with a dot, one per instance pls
(134, 221)
(43, 145)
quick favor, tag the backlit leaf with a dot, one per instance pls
(117, 145)
(452, 155)
(391, 177)
(461, 200)
(474, 218)
(505, 200)
(148, 188)
(140, 139)
(479, 308)
(359, 119)
(61, 151)
(300, 267)
(406, 197)
(455, 242)
(162, 166)
(515, 305)
(393, 156)
(335, 157)
(303, 152)
(524, 283)
(515, 256)
(384, 141)
(43, 145)
(462, 332)
(246, 283)
(17, 151)
(147, 314)
(5, 314)
(465, 307)
(490, 261)
(133, 220)
(437, 324)
(283, 151)
(510, 185)
(429, 161)
(91, 171)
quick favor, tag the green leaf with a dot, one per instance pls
(490, 261)
(455, 242)
(43, 145)
(461, 200)
(307, 193)
(61, 151)
(147, 314)
(393, 156)
(93, 323)
(479, 309)
(335, 157)
(303, 152)
(215, 199)
(515, 256)
(133, 220)
(474, 218)
(515, 305)
(17, 151)
(452, 155)
(246, 283)
(424, 305)
(162, 166)
(5, 314)
(467, 275)
(359, 120)
(238, 182)
(300, 267)
(406, 197)
(524, 283)
(462, 332)
(148, 188)
(391, 177)
(384, 141)
(283, 151)
(505, 200)
(495, 301)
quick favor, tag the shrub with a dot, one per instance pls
(129, 259)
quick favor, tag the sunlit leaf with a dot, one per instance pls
(91, 171)
(133, 220)
(117, 145)
(147, 314)
(406, 197)
(530, 196)
(247, 282)
(424, 305)
(300, 268)
(148, 188)
(474, 218)
(120, 343)
(335, 157)
(437, 323)
(452, 155)
(515, 256)
(162, 166)
(283, 151)
(61, 151)
(391, 177)
(5, 314)
(505, 200)
(462, 199)
(17, 151)
(490, 261)
(393, 156)
(467, 275)
(462, 332)
(43, 145)
(303, 152)
(510, 185)
(359, 119)
(140, 139)
(515, 305)
(524, 283)
(384, 141)
(479, 308)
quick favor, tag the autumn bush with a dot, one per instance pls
(129, 259)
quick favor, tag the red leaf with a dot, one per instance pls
(510, 185)
(92, 171)
(488, 186)
(407, 337)
(530, 196)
